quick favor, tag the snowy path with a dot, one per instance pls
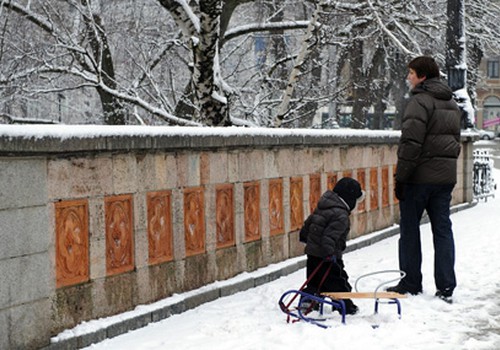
(252, 320)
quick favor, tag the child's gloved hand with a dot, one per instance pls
(331, 258)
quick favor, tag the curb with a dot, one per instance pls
(124, 324)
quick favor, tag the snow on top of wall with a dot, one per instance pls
(94, 131)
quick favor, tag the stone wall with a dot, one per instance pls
(95, 225)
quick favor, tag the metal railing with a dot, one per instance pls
(483, 183)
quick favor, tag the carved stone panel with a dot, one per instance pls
(119, 234)
(385, 186)
(72, 242)
(276, 219)
(224, 209)
(296, 203)
(332, 179)
(347, 173)
(252, 210)
(194, 221)
(314, 190)
(373, 189)
(159, 227)
(361, 175)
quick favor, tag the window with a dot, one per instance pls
(491, 111)
(492, 69)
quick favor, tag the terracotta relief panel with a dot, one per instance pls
(224, 208)
(385, 186)
(332, 179)
(314, 190)
(276, 219)
(72, 242)
(296, 203)
(252, 210)
(160, 236)
(119, 234)
(373, 189)
(361, 175)
(347, 173)
(194, 221)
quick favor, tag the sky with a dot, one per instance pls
(252, 319)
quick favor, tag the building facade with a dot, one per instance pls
(488, 95)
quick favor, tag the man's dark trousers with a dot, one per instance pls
(435, 199)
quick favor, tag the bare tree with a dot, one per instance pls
(218, 63)
(377, 37)
(75, 31)
(84, 50)
(482, 30)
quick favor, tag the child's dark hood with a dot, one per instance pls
(330, 199)
(349, 190)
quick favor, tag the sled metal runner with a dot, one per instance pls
(308, 302)
(304, 307)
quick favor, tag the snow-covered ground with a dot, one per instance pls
(252, 320)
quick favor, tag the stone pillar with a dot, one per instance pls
(26, 274)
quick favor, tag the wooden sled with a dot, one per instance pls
(392, 297)
(335, 300)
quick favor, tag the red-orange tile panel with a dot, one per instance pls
(194, 220)
(385, 186)
(276, 219)
(361, 175)
(314, 190)
(373, 189)
(252, 210)
(296, 203)
(72, 242)
(119, 234)
(159, 225)
(332, 179)
(224, 209)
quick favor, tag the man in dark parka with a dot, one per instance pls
(426, 174)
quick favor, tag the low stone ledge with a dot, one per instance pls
(237, 287)
(167, 311)
(92, 338)
(204, 297)
(53, 139)
(128, 325)
(66, 344)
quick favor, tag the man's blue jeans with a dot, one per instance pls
(435, 199)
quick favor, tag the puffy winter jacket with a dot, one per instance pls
(325, 230)
(430, 136)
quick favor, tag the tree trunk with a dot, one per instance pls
(304, 51)
(113, 111)
(455, 42)
(399, 89)
(360, 98)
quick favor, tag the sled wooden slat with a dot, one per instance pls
(363, 295)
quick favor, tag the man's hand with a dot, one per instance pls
(399, 190)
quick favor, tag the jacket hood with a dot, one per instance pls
(349, 190)
(330, 199)
(435, 87)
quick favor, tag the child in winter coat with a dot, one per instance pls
(325, 233)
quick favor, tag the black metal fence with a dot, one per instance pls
(483, 183)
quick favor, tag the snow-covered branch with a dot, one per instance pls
(264, 27)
